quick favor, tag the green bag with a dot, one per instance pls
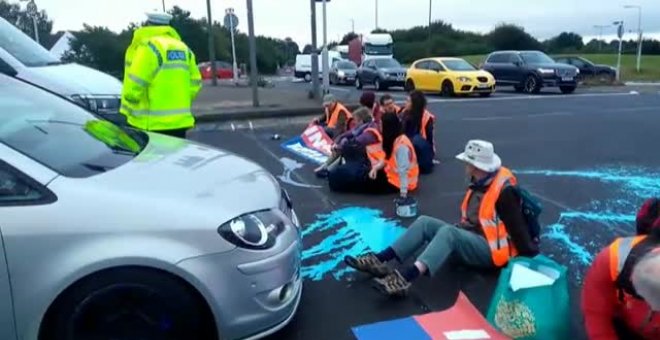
(535, 312)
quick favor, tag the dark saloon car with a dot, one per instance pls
(530, 71)
(382, 73)
(588, 69)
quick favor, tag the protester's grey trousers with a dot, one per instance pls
(443, 240)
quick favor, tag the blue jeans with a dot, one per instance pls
(425, 154)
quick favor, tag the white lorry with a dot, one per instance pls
(377, 45)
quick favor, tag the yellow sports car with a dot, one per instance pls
(449, 76)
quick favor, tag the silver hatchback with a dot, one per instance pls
(112, 233)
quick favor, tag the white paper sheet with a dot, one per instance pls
(467, 334)
(523, 277)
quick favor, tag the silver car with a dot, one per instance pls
(112, 233)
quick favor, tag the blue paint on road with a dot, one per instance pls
(350, 231)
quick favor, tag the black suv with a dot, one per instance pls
(529, 71)
(382, 73)
(604, 73)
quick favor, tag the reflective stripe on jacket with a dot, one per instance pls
(160, 85)
(333, 117)
(427, 118)
(392, 167)
(501, 247)
(375, 151)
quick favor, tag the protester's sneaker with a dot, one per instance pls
(393, 284)
(368, 263)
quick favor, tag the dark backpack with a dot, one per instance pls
(531, 209)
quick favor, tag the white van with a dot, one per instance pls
(303, 68)
(23, 58)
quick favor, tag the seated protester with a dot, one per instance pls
(336, 116)
(368, 100)
(390, 165)
(418, 124)
(492, 228)
(621, 290)
(387, 104)
(363, 120)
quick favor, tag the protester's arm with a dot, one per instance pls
(195, 76)
(509, 209)
(403, 165)
(430, 128)
(141, 72)
(341, 122)
(599, 299)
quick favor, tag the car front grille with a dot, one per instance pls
(398, 75)
(482, 79)
(566, 73)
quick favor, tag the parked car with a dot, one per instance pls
(529, 71)
(449, 76)
(588, 69)
(223, 69)
(382, 73)
(303, 67)
(113, 233)
(23, 58)
(343, 72)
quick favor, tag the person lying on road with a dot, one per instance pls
(492, 228)
(418, 124)
(335, 118)
(621, 293)
(352, 140)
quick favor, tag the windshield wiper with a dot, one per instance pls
(53, 63)
(96, 167)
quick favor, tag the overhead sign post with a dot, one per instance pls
(326, 70)
(231, 22)
(619, 33)
(33, 12)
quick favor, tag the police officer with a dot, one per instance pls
(161, 79)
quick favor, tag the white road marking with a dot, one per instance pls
(524, 97)
(533, 115)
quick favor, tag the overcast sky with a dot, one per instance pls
(291, 18)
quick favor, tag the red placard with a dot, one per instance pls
(315, 138)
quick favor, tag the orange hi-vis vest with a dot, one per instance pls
(427, 118)
(333, 117)
(619, 251)
(501, 247)
(391, 164)
(375, 151)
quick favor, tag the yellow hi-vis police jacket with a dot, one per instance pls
(161, 82)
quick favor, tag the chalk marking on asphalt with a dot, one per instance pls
(290, 166)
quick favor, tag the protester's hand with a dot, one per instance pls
(373, 173)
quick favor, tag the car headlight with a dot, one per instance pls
(577, 71)
(98, 104)
(341, 73)
(464, 79)
(255, 230)
(546, 70)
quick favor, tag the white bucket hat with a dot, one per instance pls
(482, 155)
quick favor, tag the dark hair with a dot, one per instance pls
(392, 129)
(368, 99)
(417, 107)
(385, 98)
(647, 215)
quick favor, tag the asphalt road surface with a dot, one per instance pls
(591, 158)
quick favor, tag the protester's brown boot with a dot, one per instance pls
(368, 263)
(393, 284)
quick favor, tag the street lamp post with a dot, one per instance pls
(324, 58)
(639, 32)
(619, 32)
(32, 11)
(352, 25)
(214, 74)
(430, 31)
(164, 6)
(376, 14)
(232, 28)
(253, 55)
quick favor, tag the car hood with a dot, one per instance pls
(70, 79)
(554, 66)
(393, 70)
(473, 73)
(173, 179)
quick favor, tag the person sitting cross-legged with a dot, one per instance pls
(491, 230)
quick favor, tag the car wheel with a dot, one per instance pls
(447, 89)
(409, 86)
(532, 84)
(606, 77)
(308, 77)
(129, 303)
(358, 83)
(567, 89)
(378, 85)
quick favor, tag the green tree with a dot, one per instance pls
(512, 37)
(99, 48)
(307, 49)
(15, 15)
(348, 37)
(565, 42)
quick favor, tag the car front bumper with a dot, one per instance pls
(557, 81)
(474, 87)
(251, 293)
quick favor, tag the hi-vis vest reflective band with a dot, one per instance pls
(391, 164)
(427, 119)
(375, 151)
(501, 248)
(333, 117)
(160, 86)
(619, 251)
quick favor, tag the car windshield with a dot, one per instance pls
(24, 49)
(346, 65)
(378, 49)
(536, 58)
(60, 134)
(458, 65)
(387, 63)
